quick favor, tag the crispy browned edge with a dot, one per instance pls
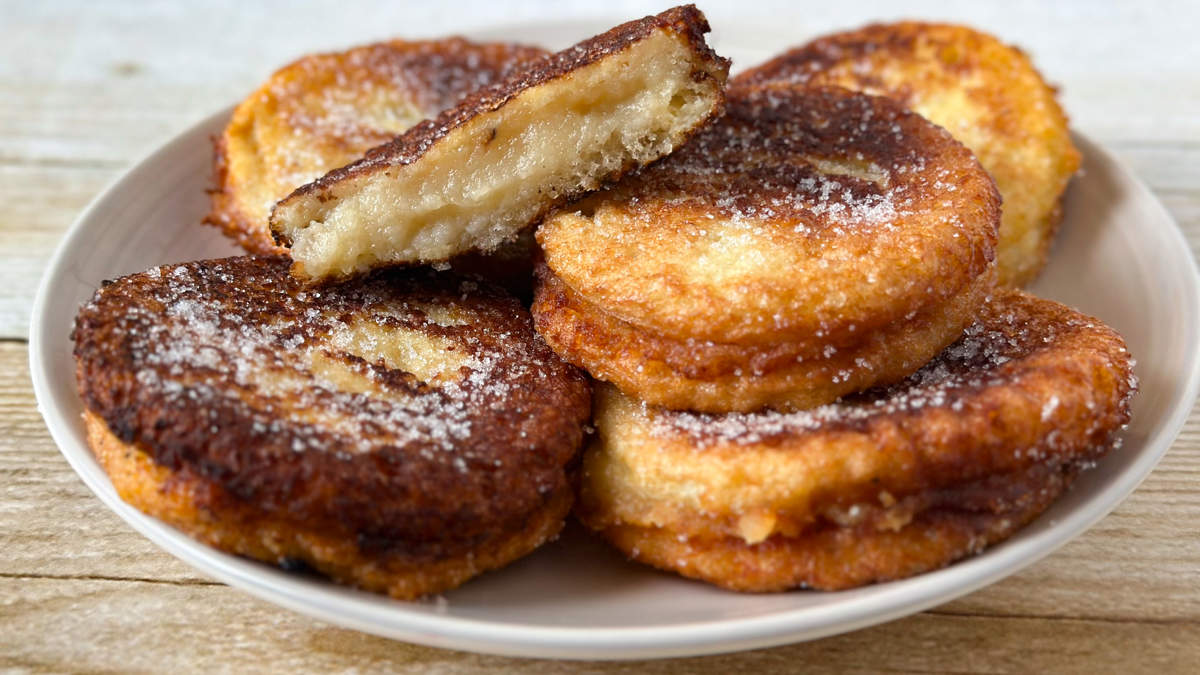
(405, 149)
(991, 424)
(839, 558)
(783, 375)
(204, 511)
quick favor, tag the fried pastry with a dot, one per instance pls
(325, 110)
(401, 433)
(986, 93)
(881, 485)
(808, 244)
(483, 171)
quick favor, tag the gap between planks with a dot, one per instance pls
(1059, 617)
(939, 612)
(22, 162)
(100, 577)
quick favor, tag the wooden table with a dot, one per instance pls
(86, 89)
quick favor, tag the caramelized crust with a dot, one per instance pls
(406, 413)
(986, 93)
(1032, 390)
(721, 377)
(836, 558)
(826, 240)
(203, 510)
(484, 170)
(325, 110)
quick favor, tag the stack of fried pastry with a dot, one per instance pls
(814, 379)
(788, 289)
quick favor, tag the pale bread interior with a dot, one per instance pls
(331, 364)
(489, 178)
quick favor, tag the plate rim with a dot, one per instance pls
(891, 601)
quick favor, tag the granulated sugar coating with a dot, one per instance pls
(325, 110)
(984, 92)
(798, 211)
(992, 353)
(820, 241)
(481, 172)
(405, 406)
(881, 485)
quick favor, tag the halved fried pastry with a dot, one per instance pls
(478, 174)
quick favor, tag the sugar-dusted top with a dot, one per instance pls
(800, 212)
(411, 402)
(986, 93)
(324, 111)
(1035, 350)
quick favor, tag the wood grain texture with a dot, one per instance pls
(187, 628)
(86, 89)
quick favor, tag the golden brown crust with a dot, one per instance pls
(721, 377)
(414, 411)
(838, 558)
(1032, 387)
(986, 93)
(325, 110)
(802, 224)
(759, 228)
(201, 508)
(1031, 379)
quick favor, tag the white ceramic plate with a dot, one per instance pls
(1119, 256)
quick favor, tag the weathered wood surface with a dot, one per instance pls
(86, 89)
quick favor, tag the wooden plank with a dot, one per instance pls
(40, 202)
(50, 523)
(55, 625)
(1168, 168)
